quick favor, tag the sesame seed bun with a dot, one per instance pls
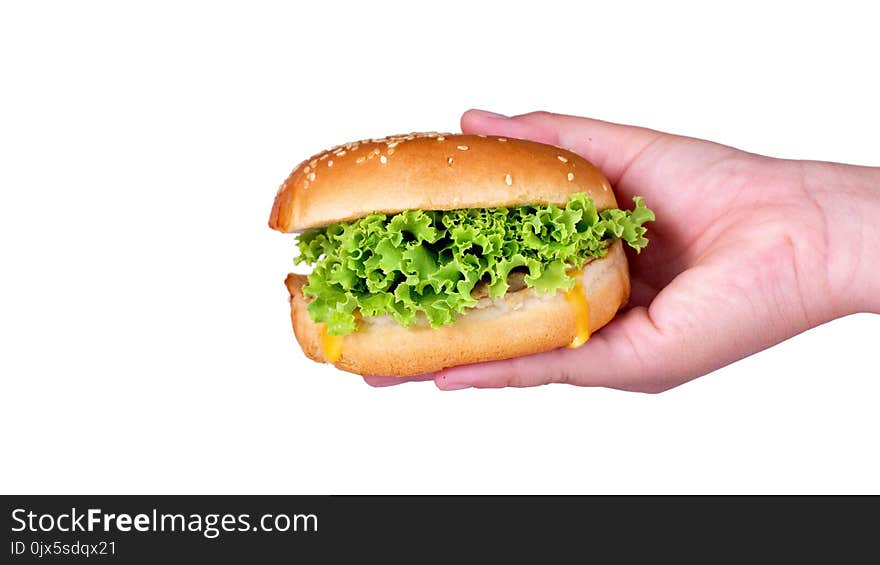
(519, 323)
(431, 171)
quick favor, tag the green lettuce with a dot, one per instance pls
(430, 261)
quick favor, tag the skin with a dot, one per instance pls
(747, 251)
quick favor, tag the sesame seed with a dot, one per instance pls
(449, 161)
(441, 138)
(312, 177)
(324, 156)
(307, 169)
(330, 163)
(383, 159)
(480, 135)
(508, 179)
(360, 160)
(502, 139)
(392, 144)
(561, 158)
(462, 147)
(390, 151)
(314, 163)
(570, 177)
(305, 184)
(340, 153)
(376, 151)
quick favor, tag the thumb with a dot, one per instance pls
(611, 147)
(697, 324)
(630, 354)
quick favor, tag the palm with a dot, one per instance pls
(724, 217)
(689, 197)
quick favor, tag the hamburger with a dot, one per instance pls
(430, 250)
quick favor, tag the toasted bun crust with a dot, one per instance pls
(520, 323)
(431, 171)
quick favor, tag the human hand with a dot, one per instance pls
(746, 252)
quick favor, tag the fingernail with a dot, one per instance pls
(488, 114)
(456, 386)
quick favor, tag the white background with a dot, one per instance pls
(145, 343)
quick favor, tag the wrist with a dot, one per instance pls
(849, 197)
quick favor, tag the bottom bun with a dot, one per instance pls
(519, 323)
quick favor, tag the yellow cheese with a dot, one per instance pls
(332, 345)
(577, 300)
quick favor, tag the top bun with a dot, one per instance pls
(431, 171)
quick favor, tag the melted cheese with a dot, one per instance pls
(332, 345)
(577, 300)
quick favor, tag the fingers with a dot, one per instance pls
(611, 147)
(378, 381)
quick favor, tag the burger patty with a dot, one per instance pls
(516, 281)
